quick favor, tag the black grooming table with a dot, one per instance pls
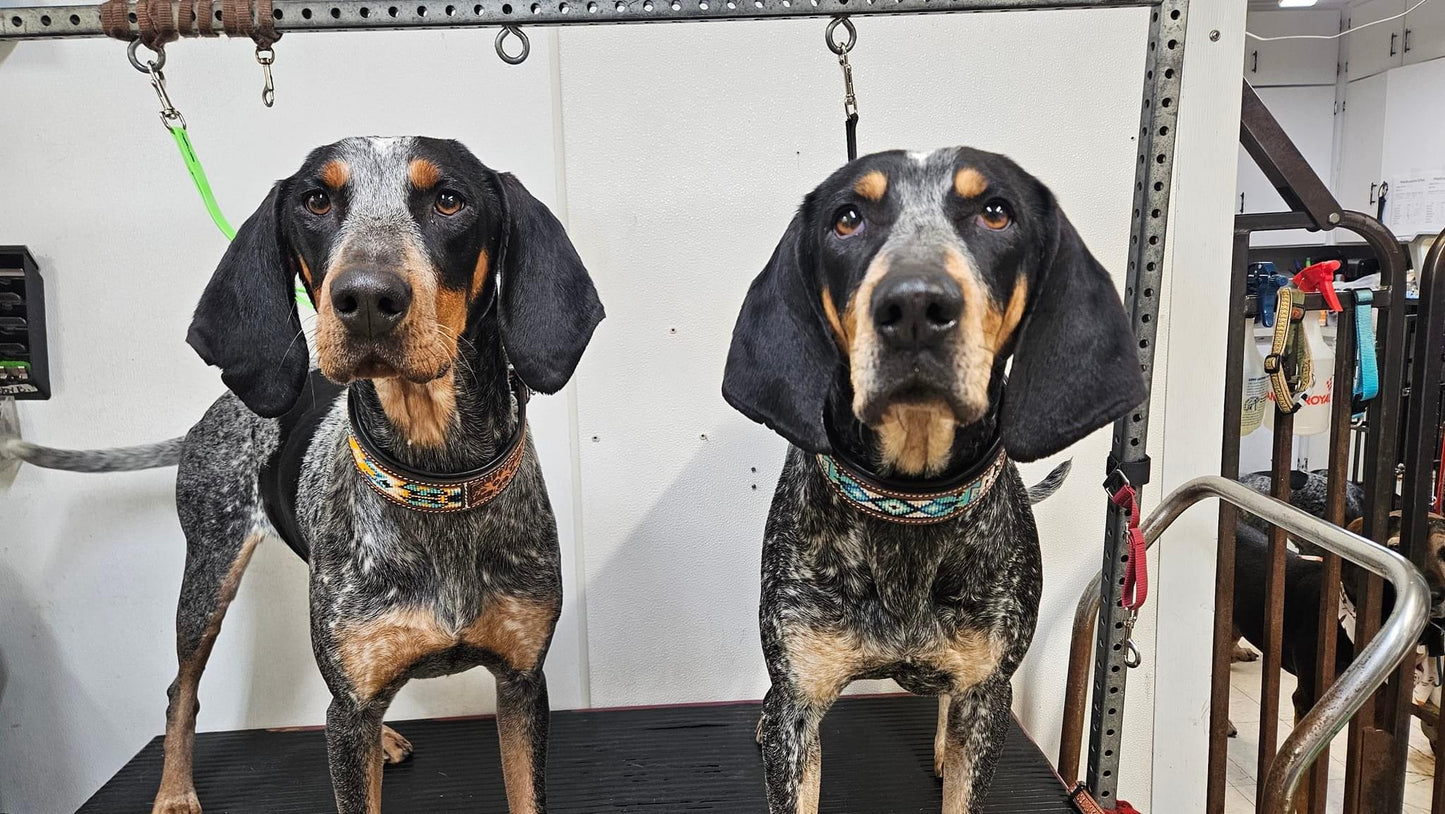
(877, 759)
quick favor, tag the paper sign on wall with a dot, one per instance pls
(1415, 204)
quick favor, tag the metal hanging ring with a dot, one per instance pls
(156, 64)
(836, 47)
(501, 45)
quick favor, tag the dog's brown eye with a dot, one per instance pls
(849, 221)
(996, 215)
(318, 202)
(449, 202)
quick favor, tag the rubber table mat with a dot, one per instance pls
(877, 759)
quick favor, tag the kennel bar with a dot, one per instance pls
(1164, 61)
(1374, 774)
(1422, 421)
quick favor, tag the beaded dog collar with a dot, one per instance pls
(892, 503)
(430, 492)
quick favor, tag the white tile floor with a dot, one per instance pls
(1242, 772)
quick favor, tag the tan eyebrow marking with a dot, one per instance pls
(424, 174)
(872, 185)
(335, 173)
(969, 183)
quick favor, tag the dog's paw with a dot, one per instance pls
(177, 803)
(1242, 653)
(1233, 733)
(937, 764)
(394, 748)
(758, 734)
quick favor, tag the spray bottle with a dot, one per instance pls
(1313, 417)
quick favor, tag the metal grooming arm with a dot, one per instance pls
(1283, 164)
(1376, 664)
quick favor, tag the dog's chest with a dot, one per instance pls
(371, 554)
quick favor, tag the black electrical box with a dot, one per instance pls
(24, 365)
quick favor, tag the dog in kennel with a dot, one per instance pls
(901, 542)
(402, 470)
(1304, 582)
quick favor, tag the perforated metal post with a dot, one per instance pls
(53, 22)
(1162, 81)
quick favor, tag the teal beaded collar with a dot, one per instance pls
(896, 503)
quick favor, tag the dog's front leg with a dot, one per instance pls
(977, 724)
(940, 735)
(353, 748)
(792, 752)
(522, 714)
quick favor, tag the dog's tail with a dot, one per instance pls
(118, 459)
(1045, 488)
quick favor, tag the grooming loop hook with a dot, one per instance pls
(1132, 658)
(850, 100)
(267, 56)
(522, 55)
(170, 117)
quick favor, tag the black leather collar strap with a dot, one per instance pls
(424, 491)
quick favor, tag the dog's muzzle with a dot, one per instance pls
(916, 309)
(370, 302)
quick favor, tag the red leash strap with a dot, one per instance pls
(1136, 575)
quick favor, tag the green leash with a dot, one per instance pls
(203, 185)
(208, 197)
(175, 123)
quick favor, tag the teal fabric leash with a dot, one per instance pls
(1367, 373)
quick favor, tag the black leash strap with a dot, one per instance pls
(850, 100)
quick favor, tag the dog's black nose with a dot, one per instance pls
(369, 301)
(913, 310)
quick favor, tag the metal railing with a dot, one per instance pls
(1390, 646)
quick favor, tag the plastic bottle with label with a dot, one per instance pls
(1257, 404)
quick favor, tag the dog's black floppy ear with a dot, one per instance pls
(549, 305)
(246, 322)
(783, 357)
(1076, 366)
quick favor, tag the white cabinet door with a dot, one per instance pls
(1425, 33)
(1362, 140)
(1307, 115)
(1369, 51)
(1292, 62)
(1414, 125)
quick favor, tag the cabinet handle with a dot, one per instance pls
(1241, 203)
(1407, 41)
(1255, 67)
(1372, 191)
(1393, 38)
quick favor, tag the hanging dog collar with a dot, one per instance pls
(423, 491)
(1288, 364)
(908, 503)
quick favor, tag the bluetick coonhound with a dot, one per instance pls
(901, 543)
(405, 474)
